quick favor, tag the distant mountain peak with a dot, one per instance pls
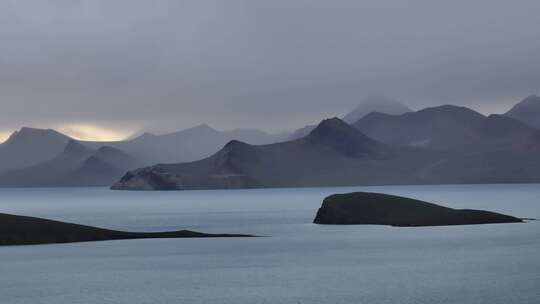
(336, 133)
(30, 130)
(335, 129)
(74, 147)
(29, 133)
(447, 108)
(203, 126)
(333, 124)
(197, 130)
(376, 104)
(109, 149)
(235, 143)
(450, 111)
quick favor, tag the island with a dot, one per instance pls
(383, 209)
(25, 230)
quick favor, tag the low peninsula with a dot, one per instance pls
(25, 230)
(383, 209)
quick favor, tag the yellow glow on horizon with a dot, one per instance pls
(92, 132)
(4, 136)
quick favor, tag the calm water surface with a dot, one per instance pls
(300, 262)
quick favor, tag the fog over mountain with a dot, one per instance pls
(273, 65)
(366, 106)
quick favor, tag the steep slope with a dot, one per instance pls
(527, 111)
(332, 154)
(28, 147)
(443, 127)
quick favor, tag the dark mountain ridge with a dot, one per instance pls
(444, 127)
(332, 154)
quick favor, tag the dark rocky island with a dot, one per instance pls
(25, 230)
(382, 209)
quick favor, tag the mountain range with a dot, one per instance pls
(444, 144)
(334, 153)
(186, 145)
(41, 158)
(77, 165)
(444, 127)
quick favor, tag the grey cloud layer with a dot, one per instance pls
(270, 64)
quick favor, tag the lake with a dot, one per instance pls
(299, 262)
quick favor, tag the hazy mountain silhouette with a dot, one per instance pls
(334, 153)
(77, 165)
(186, 145)
(29, 146)
(33, 150)
(367, 105)
(443, 127)
(527, 111)
(444, 144)
(376, 104)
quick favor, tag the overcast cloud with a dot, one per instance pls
(268, 64)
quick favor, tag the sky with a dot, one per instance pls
(106, 69)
